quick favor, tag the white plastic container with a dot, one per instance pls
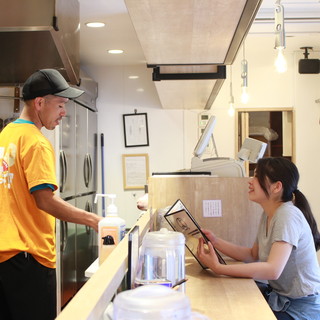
(111, 225)
(162, 259)
(153, 302)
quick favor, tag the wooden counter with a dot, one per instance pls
(224, 298)
(219, 298)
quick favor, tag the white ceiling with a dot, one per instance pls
(302, 19)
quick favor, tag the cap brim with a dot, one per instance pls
(70, 93)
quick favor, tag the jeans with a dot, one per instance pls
(265, 290)
(304, 308)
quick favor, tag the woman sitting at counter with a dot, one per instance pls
(285, 250)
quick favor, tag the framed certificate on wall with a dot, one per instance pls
(135, 170)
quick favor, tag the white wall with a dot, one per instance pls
(173, 133)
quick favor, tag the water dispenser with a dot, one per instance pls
(162, 259)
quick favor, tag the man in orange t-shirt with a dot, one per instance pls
(29, 204)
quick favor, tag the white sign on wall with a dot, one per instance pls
(212, 208)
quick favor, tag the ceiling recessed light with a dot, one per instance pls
(95, 24)
(133, 77)
(115, 51)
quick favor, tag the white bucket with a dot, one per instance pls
(153, 302)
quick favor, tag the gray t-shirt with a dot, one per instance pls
(301, 275)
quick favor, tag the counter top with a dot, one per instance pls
(224, 298)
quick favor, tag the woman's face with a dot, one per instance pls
(256, 193)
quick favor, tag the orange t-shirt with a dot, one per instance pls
(26, 160)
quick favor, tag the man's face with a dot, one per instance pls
(52, 110)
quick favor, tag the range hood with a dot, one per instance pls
(189, 43)
(37, 34)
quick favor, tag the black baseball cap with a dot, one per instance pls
(48, 81)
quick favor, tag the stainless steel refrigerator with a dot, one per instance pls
(78, 186)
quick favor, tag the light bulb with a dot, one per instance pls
(244, 95)
(280, 62)
(231, 109)
(115, 51)
(95, 24)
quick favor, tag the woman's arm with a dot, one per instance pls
(231, 250)
(47, 201)
(270, 270)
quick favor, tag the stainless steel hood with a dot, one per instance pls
(37, 34)
(185, 41)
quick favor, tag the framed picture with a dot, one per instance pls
(135, 130)
(135, 170)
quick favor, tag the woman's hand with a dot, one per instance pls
(212, 238)
(207, 255)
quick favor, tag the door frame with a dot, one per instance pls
(287, 109)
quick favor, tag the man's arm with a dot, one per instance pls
(47, 201)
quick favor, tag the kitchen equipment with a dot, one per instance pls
(77, 145)
(42, 34)
(162, 259)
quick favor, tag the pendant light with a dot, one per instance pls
(231, 101)
(244, 77)
(280, 41)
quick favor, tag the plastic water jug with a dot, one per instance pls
(153, 302)
(162, 259)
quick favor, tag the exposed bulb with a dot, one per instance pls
(244, 95)
(231, 109)
(280, 62)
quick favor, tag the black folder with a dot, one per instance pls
(181, 220)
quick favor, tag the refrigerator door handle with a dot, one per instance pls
(61, 235)
(88, 208)
(87, 170)
(64, 235)
(66, 230)
(63, 173)
(90, 168)
(65, 168)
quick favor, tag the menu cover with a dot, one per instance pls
(181, 220)
(133, 256)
